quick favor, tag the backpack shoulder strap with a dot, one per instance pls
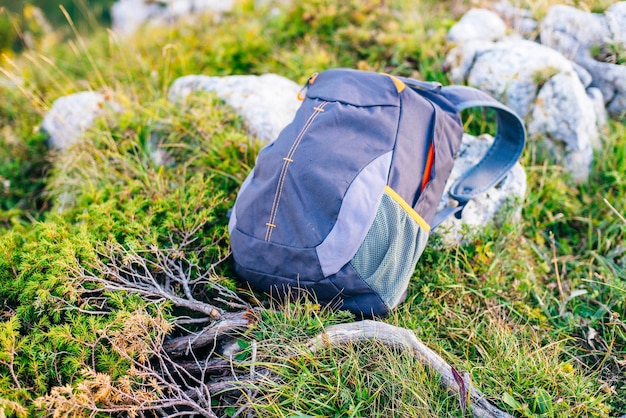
(505, 151)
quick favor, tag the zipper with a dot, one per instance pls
(304, 88)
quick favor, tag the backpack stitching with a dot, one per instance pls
(286, 160)
(271, 224)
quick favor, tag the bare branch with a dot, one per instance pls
(126, 270)
(230, 323)
(189, 321)
(215, 366)
(404, 339)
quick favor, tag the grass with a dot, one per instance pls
(533, 310)
(612, 53)
(355, 380)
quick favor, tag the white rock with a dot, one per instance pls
(616, 21)
(511, 70)
(575, 33)
(519, 20)
(460, 59)
(267, 102)
(484, 209)
(128, 15)
(572, 31)
(611, 80)
(70, 116)
(214, 5)
(583, 75)
(595, 95)
(180, 8)
(478, 24)
(541, 86)
(561, 114)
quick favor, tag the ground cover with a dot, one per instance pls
(534, 311)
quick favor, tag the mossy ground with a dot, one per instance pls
(534, 310)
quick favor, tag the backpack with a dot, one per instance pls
(341, 204)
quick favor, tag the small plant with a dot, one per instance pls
(612, 53)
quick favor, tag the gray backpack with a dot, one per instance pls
(341, 204)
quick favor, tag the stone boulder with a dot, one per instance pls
(616, 21)
(128, 15)
(517, 19)
(578, 35)
(267, 103)
(484, 209)
(542, 87)
(70, 116)
(478, 24)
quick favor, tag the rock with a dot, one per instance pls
(180, 8)
(128, 15)
(595, 94)
(561, 114)
(541, 86)
(579, 35)
(519, 20)
(616, 21)
(611, 80)
(70, 116)
(513, 70)
(267, 103)
(583, 75)
(478, 24)
(484, 209)
(572, 31)
(460, 59)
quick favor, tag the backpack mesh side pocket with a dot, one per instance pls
(387, 258)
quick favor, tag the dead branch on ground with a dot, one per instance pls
(230, 323)
(404, 339)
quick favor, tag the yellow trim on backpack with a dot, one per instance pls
(400, 86)
(409, 210)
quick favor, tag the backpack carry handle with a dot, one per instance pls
(505, 151)
(507, 147)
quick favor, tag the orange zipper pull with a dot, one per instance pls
(309, 81)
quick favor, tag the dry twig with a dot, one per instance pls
(404, 339)
(161, 275)
(232, 322)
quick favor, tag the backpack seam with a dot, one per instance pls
(287, 160)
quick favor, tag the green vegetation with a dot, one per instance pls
(533, 310)
(28, 24)
(87, 11)
(612, 53)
